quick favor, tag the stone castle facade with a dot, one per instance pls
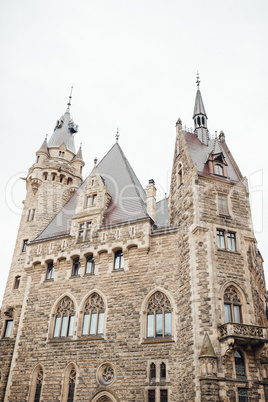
(112, 296)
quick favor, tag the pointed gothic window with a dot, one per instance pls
(232, 305)
(93, 320)
(159, 316)
(239, 365)
(152, 376)
(64, 321)
(163, 395)
(118, 259)
(151, 395)
(38, 387)
(163, 372)
(71, 387)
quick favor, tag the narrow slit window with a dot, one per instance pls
(8, 328)
(24, 245)
(17, 282)
(50, 271)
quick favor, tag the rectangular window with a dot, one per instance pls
(118, 260)
(17, 282)
(231, 241)
(71, 326)
(159, 324)
(64, 324)
(100, 323)
(94, 199)
(150, 325)
(243, 395)
(76, 267)
(237, 314)
(151, 395)
(227, 312)
(85, 324)
(90, 265)
(24, 245)
(88, 201)
(223, 204)
(33, 213)
(87, 237)
(50, 271)
(220, 239)
(93, 323)
(167, 324)
(8, 328)
(57, 327)
(163, 395)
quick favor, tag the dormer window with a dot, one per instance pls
(91, 200)
(219, 170)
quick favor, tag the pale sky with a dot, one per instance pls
(133, 65)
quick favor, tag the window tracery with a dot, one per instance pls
(93, 320)
(38, 386)
(64, 321)
(159, 313)
(232, 305)
(71, 387)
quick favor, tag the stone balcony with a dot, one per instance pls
(243, 334)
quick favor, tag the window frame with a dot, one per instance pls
(118, 260)
(230, 304)
(153, 325)
(218, 165)
(228, 239)
(90, 259)
(94, 316)
(8, 330)
(223, 207)
(24, 245)
(17, 282)
(64, 327)
(76, 270)
(50, 271)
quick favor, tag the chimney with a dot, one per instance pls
(151, 200)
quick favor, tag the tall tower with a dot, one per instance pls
(50, 182)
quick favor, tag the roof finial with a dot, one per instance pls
(70, 97)
(117, 134)
(198, 79)
(95, 161)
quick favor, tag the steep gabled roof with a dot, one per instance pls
(128, 197)
(200, 153)
(128, 201)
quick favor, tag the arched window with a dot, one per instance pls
(90, 265)
(93, 319)
(232, 305)
(158, 316)
(38, 386)
(69, 181)
(219, 170)
(118, 259)
(152, 376)
(199, 121)
(71, 388)
(163, 371)
(64, 321)
(239, 365)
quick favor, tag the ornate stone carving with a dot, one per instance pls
(106, 374)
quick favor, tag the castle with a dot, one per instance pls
(112, 296)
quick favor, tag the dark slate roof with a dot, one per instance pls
(78, 155)
(199, 107)
(162, 215)
(44, 147)
(200, 153)
(128, 197)
(128, 201)
(62, 133)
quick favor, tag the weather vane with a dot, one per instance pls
(70, 97)
(117, 134)
(198, 80)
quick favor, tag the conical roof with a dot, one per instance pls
(199, 107)
(78, 155)
(64, 133)
(44, 147)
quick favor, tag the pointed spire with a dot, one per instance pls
(79, 154)
(44, 147)
(64, 130)
(200, 116)
(69, 103)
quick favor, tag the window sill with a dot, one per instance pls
(225, 216)
(49, 280)
(84, 338)
(118, 269)
(75, 276)
(155, 340)
(225, 250)
(11, 340)
(89, 274)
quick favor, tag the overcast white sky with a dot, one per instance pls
(133, 65)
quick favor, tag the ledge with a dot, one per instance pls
(83, 339)
(153, 341)
(225, 250)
